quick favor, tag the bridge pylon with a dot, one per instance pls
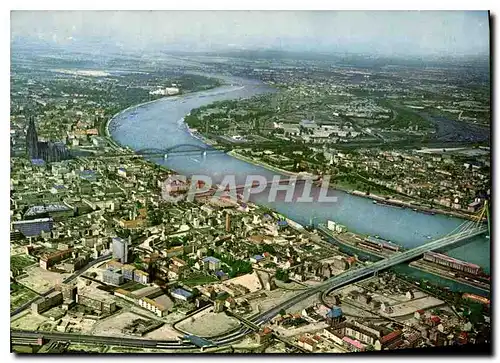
(487, 211)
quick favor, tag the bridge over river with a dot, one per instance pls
(466, 231)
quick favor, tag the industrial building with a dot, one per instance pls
(378, 244)
(453, 263)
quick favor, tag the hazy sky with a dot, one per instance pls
(378, 32)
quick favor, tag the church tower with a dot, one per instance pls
(32, 139)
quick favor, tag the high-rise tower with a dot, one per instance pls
(120, 249)
(228, 222)
(32, 139)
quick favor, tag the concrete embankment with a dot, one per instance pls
(402, 204)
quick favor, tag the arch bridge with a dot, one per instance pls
(178, 149)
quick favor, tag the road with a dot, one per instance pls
(330, 284)
(352, 276)
(27, 336)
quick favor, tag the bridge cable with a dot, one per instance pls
(458, 229)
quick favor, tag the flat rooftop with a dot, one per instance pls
(47, 208)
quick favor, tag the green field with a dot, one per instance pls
(19, 262)
(132, 286)
(19, 295)
(24, 349)
(404, 117)
(199, 280)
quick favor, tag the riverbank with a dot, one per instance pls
(105, 128)
(412, 265)
(237, 155)
(143, 126)
(382, 200)
(402, 204)
(106, 132)
(386, 198)
(198, 136)
(447, 274)
(350, 240)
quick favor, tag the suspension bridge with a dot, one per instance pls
(465, 231)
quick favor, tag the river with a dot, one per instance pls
(159, 124)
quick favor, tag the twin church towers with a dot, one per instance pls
(46, 150)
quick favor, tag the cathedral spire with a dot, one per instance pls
(32, 139)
